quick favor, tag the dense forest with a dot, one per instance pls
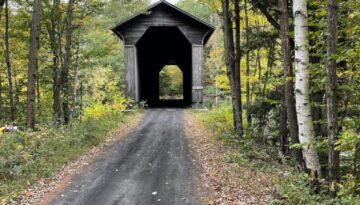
(281, 75)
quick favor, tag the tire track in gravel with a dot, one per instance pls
(151, 166)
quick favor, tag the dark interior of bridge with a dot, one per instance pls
(161, 46)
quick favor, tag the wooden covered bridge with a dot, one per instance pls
(163, 35)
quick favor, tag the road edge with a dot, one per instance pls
(44, 191)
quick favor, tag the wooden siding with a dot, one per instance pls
(163, 15)
(130, 72)
(197, 75)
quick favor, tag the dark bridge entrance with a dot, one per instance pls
(161, 46)
(163, 35)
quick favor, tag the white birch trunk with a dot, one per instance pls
(303, 109)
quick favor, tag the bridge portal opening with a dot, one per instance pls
(158, 49)
(171, 83)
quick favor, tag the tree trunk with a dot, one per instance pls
(331, 101)
(284, 132)
(1, 99)
(64, 79)
(270, 64)
(77, 64)
(237, 68)
(230, 58)
(356, 170)
(253, 84)
(76, 74)
(261, 5)
(8, 63)
(16, 86)
(2, 2)
(305, 122)
(53, 30)
(33, 63)
(289, 84)
(248, 100)
(81, 101)
(258, 59)
(38, 90)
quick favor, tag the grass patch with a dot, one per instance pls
(251, 169)
(295, 189)
(26, 157)
(291, 187)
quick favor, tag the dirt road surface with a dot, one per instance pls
(151, 166)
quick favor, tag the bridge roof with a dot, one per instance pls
(168, 4)
(193, 20)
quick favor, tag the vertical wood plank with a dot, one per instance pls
(130, 67)
(197, 75)
(136, 76)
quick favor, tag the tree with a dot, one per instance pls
(1, 98)
(231, 56)
(53, 30)
(303, 109)
(331, 78)
(247, 56)
(8, 63)
(288, 76)
(2, 2)
(264, 6)
(283, 130)
(33, 61)
(64, 78)
(237, 68)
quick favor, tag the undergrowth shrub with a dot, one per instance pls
(294, 188)
(220, 121)
(28, 156)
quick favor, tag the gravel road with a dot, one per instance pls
(151, 166)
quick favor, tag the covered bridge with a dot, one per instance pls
(163, 35)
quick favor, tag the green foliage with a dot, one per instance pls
(171, 82)
(296, 189)
(28, 156)
(347, 140)
(220, 121)
(101, 60)
(293, 188)
(197, 8)
(24, 157)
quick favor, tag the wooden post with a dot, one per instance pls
(131, 73)
(197, 75)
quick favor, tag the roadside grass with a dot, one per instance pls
(238, 173)
(26, 157)
(290, 186)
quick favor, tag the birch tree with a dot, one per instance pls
(303, 109)
(33, 63)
